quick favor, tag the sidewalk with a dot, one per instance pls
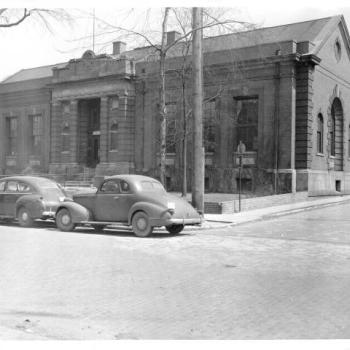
(226, 220)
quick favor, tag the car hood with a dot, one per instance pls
(53, 195)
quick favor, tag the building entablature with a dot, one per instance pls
(91, 66)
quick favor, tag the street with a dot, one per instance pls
(283, 278)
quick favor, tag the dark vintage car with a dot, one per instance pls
(133, 200)
(28, 198)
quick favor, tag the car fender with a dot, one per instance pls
(33, 203)
(154, 211)
(77, 211)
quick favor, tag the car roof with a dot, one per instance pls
(35, 180)
(132, 177)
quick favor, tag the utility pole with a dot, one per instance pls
(198, 149)
(93, 29)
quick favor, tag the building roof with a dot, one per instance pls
(315, 31)
(32, 73)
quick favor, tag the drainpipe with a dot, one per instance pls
(277, 78)
(49, 121)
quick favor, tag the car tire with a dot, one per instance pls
(98, 228)
(24, 218)
(174, 229)
(64, 220)
(141, 225)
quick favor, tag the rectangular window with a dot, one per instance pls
(65, 138)
(246, 123)
(114, 136)
(171, 130)
(11, 132)
(209, 126)
(36, 133)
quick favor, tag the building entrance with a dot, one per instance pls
(89, 132)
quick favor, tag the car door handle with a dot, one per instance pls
(116, 197)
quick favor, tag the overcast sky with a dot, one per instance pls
(31, 45)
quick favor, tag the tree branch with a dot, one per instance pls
(26, 14)
(130, 31)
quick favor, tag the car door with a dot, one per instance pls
(125, 200)
(10, 198)
(2, 192)
(107, 201)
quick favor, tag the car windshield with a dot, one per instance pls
(151, 186)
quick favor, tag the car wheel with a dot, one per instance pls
(98, 228)
(174, 229)
(141, 225)
(64, 220)
(24, 218)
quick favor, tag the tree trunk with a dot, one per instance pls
(184, 139)
(162, 118)
(162, 105)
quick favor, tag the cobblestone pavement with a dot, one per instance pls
(282, 278)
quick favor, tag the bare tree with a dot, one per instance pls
(10, 17)
(179, 19)
(183, 73)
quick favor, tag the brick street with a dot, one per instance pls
(282, 278)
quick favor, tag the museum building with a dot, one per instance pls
(283, 92)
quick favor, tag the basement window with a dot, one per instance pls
(338, 185)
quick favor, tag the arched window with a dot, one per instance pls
(320, 133)
(336, 134)
(332, 133)
(114, 136)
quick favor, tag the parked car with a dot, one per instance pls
(134, 200)
(28, 198)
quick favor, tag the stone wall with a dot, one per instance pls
(22, 101)
(226, 81)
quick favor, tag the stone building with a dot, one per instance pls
(284, 92)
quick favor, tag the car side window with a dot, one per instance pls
(11, 186)
(23, 187)
(124, 186)
(2, 186)
(110, 186)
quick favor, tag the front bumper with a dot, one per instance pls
(48, 214)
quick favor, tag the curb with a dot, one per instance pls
(226, 224)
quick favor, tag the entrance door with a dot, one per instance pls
(93, 150)
(92, 115)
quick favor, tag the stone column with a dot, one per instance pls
(74, 132)
(286, 142)
(56, 128)
(104, 130)
(3, 141)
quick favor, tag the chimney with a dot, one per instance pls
(118, 47)
(171, 37)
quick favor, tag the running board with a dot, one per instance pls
(109, 223)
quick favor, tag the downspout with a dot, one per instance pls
(277, 78)
(50, 132)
